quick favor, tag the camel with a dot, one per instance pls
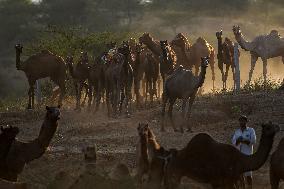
(221, 165)
(192, 53)
(155, 47)
(225, 57)
(182, 84)
(12, 185)
(264, 46)
(7, 137)
(21, 153)
(119, 79)
(277, 166)
(42, 65)
(142, 162)
(80, 74)
(96, 82)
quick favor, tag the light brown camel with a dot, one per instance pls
(80, 75)
(221, 165)
(42, 65)
(225, 57)
(277, 166)
(201, 48)
(155, 47)
(142, 162)
(182, 84)
(4, 184)
(21, 153)
(264, 46)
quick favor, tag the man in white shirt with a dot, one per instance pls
(244, 139)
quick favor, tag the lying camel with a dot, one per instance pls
(221, 165)
(182, 84)
(21, 153)
(277, 166)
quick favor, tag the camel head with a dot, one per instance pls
(219, 34)
(9, 132)
(237, 30)
(205, 61)
(143, 129)
(125, 48)
(19, 48)
(146, 37)
(269, 129)
(53, 113)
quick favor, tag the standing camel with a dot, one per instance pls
(182, 84)
(80, 74)
(277, 166)
(155, 47)
(21, 153)
(42, 65)
(263, 46)
(225, 57)
(192, 53)
(119, 79)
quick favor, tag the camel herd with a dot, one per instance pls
(119, 75)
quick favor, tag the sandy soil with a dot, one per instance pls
(116, 139)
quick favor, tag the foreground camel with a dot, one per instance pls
(191, 53)
(221, 165)
(42, 65)
(182, 84)
(277, 166)
(21, 153)
(263, 46)
(225, 57)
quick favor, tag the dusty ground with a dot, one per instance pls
(116, 138)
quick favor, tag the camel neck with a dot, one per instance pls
(47, 131)
(220, 48)
(201, 77)
(243, 43)
(154, 47)
(144, 152)
(255, 161)
(19, 65)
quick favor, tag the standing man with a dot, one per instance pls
(244, 139)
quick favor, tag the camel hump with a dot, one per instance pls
(46, 52)
(201, 40)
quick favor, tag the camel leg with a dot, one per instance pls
(31, 94)
(212, 62)
(151, 92)
(86, 87)
(226, 75)
(274, 180)
(62, 88)
(234, 76)
(183, 112)
(170, 113)
(252, 65)
(136, 90)
(146, 93)
(264, 70)
(90, 95)
(164, 103)
(190, 103)
(98, 95)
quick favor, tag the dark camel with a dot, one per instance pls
(119, 79)
(182, 84)
(80, 75)
(221, 165)
(277, 166)
(42, 65)
(21, 153)
(201, 48)
(225, 57)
